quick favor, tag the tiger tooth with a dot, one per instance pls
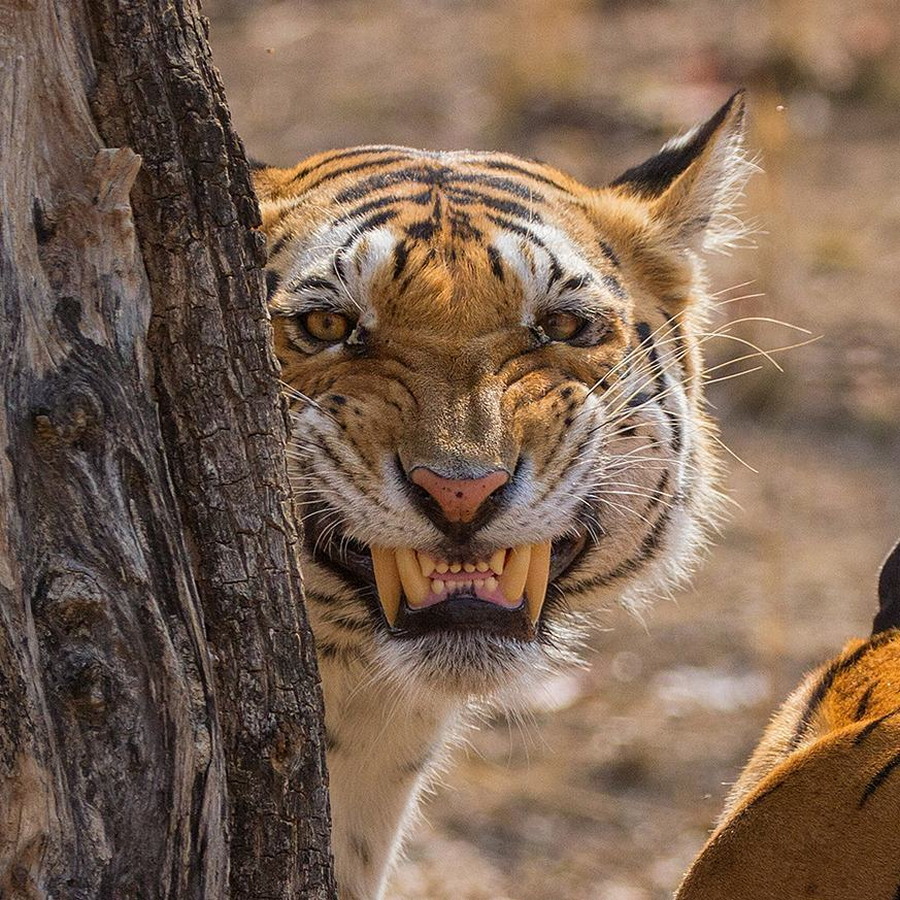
(437, 586)
(512, 582)
(415, 584)
(442, 566)
(387, 580)
(538, 577)
(469, 567)
(496, 561)
(455, 568)
(426, 563)
(482, 566)
(490, 584)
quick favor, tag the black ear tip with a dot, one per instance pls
(733, 108)
(651, 178)
(888, 615)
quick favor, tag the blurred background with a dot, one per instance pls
(609, 788)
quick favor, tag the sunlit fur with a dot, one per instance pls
(446, 262)
(815, 812)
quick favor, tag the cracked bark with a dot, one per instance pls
(160, 717)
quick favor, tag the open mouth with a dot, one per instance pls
(502, 592)
(510, 579)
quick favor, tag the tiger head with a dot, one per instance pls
(494, 372)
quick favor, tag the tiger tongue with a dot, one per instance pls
(525, 574)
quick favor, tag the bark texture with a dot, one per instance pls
(160, 718)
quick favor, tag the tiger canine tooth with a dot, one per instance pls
(387, 580)
(415, 585)
(497, 560)
(538, 576)
(426, 563)
(512, 583)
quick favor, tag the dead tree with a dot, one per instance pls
(160, 716)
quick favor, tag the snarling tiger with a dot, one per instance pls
(499, 429)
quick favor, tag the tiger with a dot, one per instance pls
(814, 813)
(498, 431)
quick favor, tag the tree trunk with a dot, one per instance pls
(160, 715)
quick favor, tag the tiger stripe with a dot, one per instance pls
(498, 320)
(825, 775)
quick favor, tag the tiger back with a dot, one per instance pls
(815, 812)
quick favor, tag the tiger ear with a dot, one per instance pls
(694, 180)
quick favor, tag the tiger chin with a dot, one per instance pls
(499, 430)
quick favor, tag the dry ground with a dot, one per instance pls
(608, 791)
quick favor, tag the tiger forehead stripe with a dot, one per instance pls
(420, 199)
(503, 166)
(381, 160)
(343, 154)
(300, 200)
(556, 271)
(438, 175)
(466, 196)
(609, 253)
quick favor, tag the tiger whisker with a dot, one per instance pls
(299, 395)
(709, 381)
(731, 452)
(704, 338)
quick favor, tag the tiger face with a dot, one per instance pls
(498, 425)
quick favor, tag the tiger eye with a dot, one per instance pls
(561, 326)
(326, 326)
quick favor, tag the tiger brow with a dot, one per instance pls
(419, 199)
(556, 271)
(373, 221)
(576, 282)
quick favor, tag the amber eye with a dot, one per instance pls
(561, 326)
(328, 327)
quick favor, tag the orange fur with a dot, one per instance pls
(815, 812)
(444, 275)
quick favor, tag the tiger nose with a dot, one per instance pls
(458, 498)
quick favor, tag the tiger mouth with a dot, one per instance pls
(414, 593)
(510, 578)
